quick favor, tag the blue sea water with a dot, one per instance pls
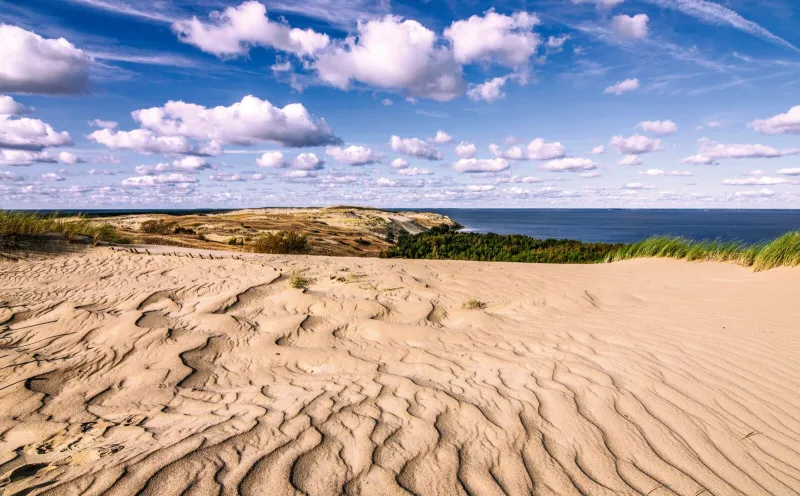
(625, 226)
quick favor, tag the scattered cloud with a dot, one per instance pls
(162, 179)
(353, 155)
(308, 162)
(622, 87)
(399, 163)
(634, 27)
(466, 150)
(103, 124)
(495, 38)
(788, 123)
(755, 181)
(488, 91)
(271, 160)
(441, 138)
(414, 171)
(569, 164)
(659, 128)
(415, 147)
(598, 150)
(635, 145)
(476, 165)
(631, 160)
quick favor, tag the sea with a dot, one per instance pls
(599, 225)
(627, 226)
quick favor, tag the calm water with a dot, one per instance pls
(624, 226)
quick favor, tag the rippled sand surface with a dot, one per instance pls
(125, 373)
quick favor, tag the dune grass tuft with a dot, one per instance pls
(784, 251)
(474, 305)
(31, 223)
(298, 281)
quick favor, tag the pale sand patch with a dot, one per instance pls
(126, 373)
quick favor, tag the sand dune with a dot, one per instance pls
(161, 375)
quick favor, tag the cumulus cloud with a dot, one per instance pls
(233, 31)
(29, 134)
(660, 172)
(556, 43)
(606, 4)
(710, 152)
(622, 87)
(36, 65)
(271, 160)
(300, 174)
(244, 123)
(631, 160)
(598, 150)
(570, 164)
(629, 27)
(638, 186)
(756, 193)
(399, 163)
(353, 155)
(659, 128)
(184, 164)
(230, 177)
(417, 63)
(307, 161)
(466, 149)
(162, 179)
(141, 140)
(474, 165)
(103, 124)
(489, 91)
(755, 181)
(635, 145)
(788, 123)
(494, 37)
(415, 147)
(23, 158)
(793, 171)
(537, 149)
(51, 176)
(9, 106)
(441, 138)
(414, 171)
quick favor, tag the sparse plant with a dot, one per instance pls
(474, 305)
(298, 281)
(281, 242)
(157, 227)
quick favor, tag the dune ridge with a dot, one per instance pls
(125, 373)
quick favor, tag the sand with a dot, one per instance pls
(162, 375)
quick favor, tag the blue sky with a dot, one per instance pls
(558, 103)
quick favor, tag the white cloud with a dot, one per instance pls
(556, 43)
(480, 187)
(307, 161)
(229, 177)
(606, 4)
(234, 30)
(629, 27)
(489, 91)
(510, 140)
(414, 171)
(244, 123)
(660, 172)
(141, 140)
(598, 150)
(631, 160)
(9, 106)
(473, 165)
(638, 186)
(417, 63)
(622, 87)
(537, 149)
(271, 160)
(590, 174)
(387, 102)
(29, 134)
(710, 152)
(184, 164)
(441, 138)
(158, 180)
(68, 158)
(756, 193)
(494, 37)
(103, 124)
(415, 147)
(755, 181)
(300, 174)
(788, 123)
(399, 163)
(32, 64)
(520, 179)
(570, 164)
(466, 149)
(635, 145)
(795, 171)
(659, 128)
(51, 176)
(353, 155)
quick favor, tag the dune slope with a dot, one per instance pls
(163, 375)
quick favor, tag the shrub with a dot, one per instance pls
(157, 227)
(281, 242)
(474, 305)
(183, 230)
(298, 281)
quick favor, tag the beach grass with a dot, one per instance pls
(781, 252)
(13, 224)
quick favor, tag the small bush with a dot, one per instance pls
(183, 230)
(157, 227)
(474, 305)
(298, 281)
(281, 242)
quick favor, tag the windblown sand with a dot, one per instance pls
(149, 374)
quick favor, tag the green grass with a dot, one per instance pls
(298, 281)
(782, 252)
(14, 224)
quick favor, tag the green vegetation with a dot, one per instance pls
(782, 252)
(444, 243)
(474, 305)
(157, 227)
(298, 281)
(281, 242)
(16, 224)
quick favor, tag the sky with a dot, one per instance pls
(183, 104)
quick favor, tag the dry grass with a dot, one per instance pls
(298, 281)
(474, 305)
(13, 224)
